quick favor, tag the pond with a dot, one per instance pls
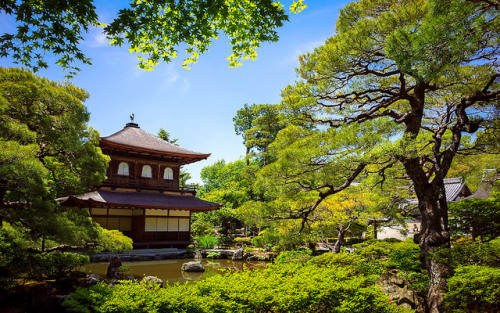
(170, 270)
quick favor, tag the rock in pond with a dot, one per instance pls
(193, 267)
(238, 254)
(153, 280)
(114, 271)
(91, 280)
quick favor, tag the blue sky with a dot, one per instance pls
(196, 106)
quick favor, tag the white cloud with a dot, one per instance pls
(97, 38)
(303, 49)
(172, 80)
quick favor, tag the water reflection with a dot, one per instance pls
(170, 270)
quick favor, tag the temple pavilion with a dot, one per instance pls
(142, 197)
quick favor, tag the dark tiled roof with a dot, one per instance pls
(132, 135)
(453, 187)
(140, 199)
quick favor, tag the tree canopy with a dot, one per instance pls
(395, 92)
(157, 30)
(47, 151)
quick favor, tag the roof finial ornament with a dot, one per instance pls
(132, 117)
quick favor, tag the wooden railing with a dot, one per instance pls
(119, 181)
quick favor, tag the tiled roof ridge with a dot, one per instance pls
(151, 141)
(168, 142)
(452, 180)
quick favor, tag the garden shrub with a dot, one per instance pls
(207, 241)
(280, 241)
(243, 240)
(55, 264)
(355, 262)
(465, 252)
(373, 249)
(473, 288)
(405, 256)
(352, 241)
(213, 255)
(296, 256)
(278, 288)
(113, 241)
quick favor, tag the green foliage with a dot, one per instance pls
(278, 288)
(382, 255)
(359, 265)
(207, 241)
(113, 241)
(154, 29)
(259, 124)
(373, 249)
(473, 288)
(228, 183)
(55, 264)
(471, 167)
(221, 221)
(47, 27)
(17, 260)
(405, 256)
(464, 252)
(295, 256)
(397, 91)
(213, 255)
(243, 240)
(48, 151)
(282, 238)
(476, 216)
(165, 135)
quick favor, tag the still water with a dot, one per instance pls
(170, 270)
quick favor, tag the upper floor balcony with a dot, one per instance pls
(121, 181)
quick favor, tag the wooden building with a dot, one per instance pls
(141, 196)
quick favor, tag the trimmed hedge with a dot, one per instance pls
(279, 288)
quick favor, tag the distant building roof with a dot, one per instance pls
(486, 185)
(133, 136)
(456, 189)
(139, 200)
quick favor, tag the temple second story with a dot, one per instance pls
(140, 160)
(142, 197)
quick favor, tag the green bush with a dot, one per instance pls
(207, 241)
(349, 260)
(465, 252)
(278, 288)
(113, 241)
(296, 257)
(214, 255)
(405, 256)
(17, 258)
(243, 240)
(473, 289)
(55, 264)
(374, 249)
(279, 241)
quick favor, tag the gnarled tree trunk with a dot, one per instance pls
(434, 234)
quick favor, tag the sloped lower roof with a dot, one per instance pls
(139, 200)
(133, 136)
(453, 187)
